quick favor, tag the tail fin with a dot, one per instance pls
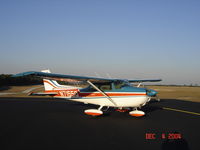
(50, 85)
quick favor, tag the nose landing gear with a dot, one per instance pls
(137, 113)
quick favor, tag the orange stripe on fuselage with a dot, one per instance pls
(110, 94)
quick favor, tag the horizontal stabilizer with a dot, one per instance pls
(43, 94)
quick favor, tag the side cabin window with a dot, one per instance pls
(103, 87)
(107, 86)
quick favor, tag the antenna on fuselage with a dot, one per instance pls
(97, 75)
(108, 75)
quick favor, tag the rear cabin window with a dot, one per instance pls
(105, 87)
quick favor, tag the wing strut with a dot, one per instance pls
(101, 92)
(139, 84)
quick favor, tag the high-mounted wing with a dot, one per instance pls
(61, 77)
(73, 78)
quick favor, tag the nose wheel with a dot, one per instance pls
(136, 113)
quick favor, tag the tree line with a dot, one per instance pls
(8, 80)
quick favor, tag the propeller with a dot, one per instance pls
(151, 93)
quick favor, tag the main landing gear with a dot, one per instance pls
(94, 112)
(135, 112)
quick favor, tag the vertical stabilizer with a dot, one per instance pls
(50, 85)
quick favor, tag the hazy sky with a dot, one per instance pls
(124, 38)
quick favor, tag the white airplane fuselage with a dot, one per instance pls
(121, 99)
(130, 101)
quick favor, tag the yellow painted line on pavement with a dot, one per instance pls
(184, 111)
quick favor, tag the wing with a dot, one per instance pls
(73, 78)
(61, 77)
(150, 80)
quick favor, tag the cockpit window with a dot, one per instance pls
(119, 85)
(105, 87)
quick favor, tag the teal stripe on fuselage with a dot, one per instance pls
(123, 89)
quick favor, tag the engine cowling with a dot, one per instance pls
(93, 112)
(151, 93)
(137, 113)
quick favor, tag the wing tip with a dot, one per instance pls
(23, 74)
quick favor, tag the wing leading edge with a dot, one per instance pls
(73, 78)
(62, 77)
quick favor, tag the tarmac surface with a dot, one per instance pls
(47, 123)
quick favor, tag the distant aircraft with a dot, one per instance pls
(117, 93)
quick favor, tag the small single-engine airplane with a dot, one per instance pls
(117, 93)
